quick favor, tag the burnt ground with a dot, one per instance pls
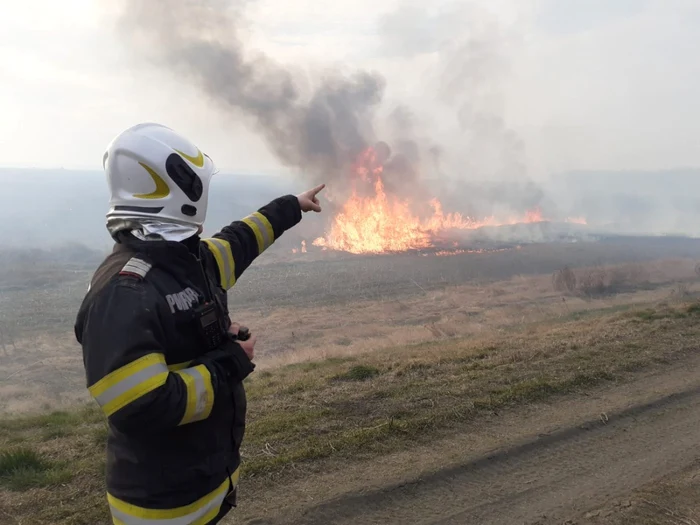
(41, 292)
(309, 280)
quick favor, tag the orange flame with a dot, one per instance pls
(382, 223)
(375, 225)
(302, 250)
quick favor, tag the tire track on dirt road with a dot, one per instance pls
(548, 480)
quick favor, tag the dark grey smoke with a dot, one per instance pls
(201, 42)
(320, 125)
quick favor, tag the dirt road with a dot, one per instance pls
(552, 464)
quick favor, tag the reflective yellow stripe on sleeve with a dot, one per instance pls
(200, 393)
(178, 366)
(262, 228)
(130, 382)
(200, 512)
(224, 260)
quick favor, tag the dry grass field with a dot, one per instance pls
(41, 365)
(360, 358)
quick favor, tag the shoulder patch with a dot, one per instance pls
(136, 267)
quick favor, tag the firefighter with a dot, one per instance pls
(162, 358)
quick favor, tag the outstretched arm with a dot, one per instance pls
(237, 245)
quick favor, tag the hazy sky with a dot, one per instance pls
(574, 84)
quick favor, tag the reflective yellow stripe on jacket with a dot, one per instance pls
(262, 229)
(178, 366)
(198, 513)
(200, 393)
(136, 379)
(128, 383)
(224, 260)
(200, 390)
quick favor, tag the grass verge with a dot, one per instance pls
(23, 468)
(379, 402)
(358, 407)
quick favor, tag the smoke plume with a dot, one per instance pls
(318, 131)
(321, 125)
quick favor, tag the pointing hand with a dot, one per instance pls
(309, 201)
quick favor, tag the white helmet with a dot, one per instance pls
(154, 173)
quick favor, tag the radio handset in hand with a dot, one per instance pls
(243, 334)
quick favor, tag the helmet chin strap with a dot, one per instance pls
(153, 229)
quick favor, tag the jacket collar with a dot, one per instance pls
(174, 256)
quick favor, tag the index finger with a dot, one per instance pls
(317, 189)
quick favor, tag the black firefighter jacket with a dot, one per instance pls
(175, 408)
